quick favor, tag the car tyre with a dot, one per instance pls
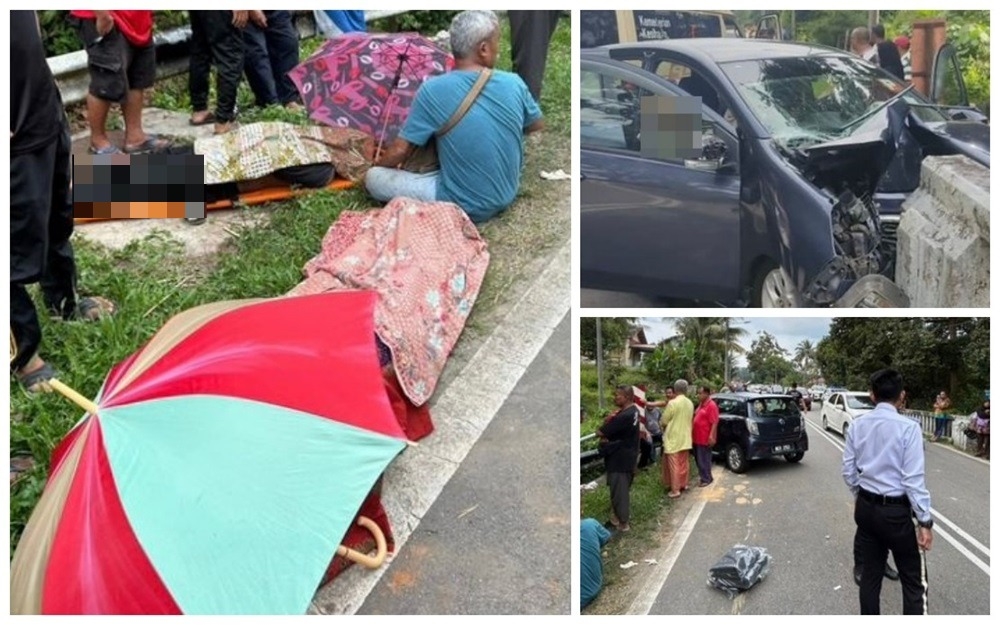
(736, 459)
(799, 455)
(774, 288)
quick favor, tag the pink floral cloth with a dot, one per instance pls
(427, 262)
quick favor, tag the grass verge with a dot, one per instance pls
(152, 279)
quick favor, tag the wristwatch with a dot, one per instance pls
(928, 524)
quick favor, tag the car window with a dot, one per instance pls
(948, 87)
(859, 402)
(733, 407)
(837, 401)
(598, 28)
(776, 407)
(609, 112)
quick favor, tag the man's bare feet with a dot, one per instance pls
(223, 128)
(201, 118)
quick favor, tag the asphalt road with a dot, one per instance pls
(803, 514)
(497, 539)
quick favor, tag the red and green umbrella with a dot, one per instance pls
(219, 467)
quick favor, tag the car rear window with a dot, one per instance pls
(775, 407)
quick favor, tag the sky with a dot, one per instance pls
(789, 331)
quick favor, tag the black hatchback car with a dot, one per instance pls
(754, 426)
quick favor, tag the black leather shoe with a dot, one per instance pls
(891, 573)
(857, 575)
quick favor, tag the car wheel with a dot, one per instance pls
(799, 455)
(826, 426)
(774, 289)
(736, 459)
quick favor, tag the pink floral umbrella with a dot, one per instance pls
(368, 81)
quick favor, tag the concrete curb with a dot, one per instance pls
(461, 413)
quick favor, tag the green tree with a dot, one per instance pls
(805, 358)
(615, 331)
(710, 337)
(669, 361)
(767, 360)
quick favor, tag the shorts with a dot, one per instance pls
(115, 64)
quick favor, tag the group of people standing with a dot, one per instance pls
(892, 56)
(683, 427)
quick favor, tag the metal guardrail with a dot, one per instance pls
(70, 70)
(954, 429)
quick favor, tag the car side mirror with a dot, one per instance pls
(713, 152)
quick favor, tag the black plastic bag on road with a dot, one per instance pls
(740, 569)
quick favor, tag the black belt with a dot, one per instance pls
(885, 500)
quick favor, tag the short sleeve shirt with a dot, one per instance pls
(482, 156)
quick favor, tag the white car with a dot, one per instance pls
(842, 407)
(817, 392)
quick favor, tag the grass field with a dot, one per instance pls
(152, 279)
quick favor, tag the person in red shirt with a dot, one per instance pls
(122, 63)
(704, 428)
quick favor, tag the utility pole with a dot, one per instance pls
(725, 375)
(600, 370)
(872, 19)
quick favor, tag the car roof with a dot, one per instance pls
(726, 49)
(748, 396)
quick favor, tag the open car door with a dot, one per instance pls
(769, 27)
(947, 87)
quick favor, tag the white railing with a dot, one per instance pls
(70, 70)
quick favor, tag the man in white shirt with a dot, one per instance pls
(861, 45)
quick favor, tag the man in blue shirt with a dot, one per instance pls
(884, 468)
(481, 157)
(593, 537)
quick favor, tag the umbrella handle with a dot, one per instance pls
(73, 396)
(361, 558)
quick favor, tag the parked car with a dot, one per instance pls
(830, 391)
(754, 426)
(843, 407)
(817, 392)
(794, 191)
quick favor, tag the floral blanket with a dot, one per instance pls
(427, 262)
(256, 150)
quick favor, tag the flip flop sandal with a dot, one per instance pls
(32, 382)
(208, 119)
(153, 143)
(19, 466)
(94, 308)
(108, 149)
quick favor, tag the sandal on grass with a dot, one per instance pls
(91, 308)
(36, 381)
(108, 149)
(209, 118)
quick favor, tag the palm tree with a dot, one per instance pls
(805, 356)
(711, 337)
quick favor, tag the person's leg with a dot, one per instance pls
(226, 44)
(909, 558)
(385, 184)
(30, 202)
(665, 469)
(257, 65)
(703, 457)
(108, 84)
(58, 281)
(685, 468)
(620, 498)
(675, 474)
(199, 68)
(141, 75)
(873, 552)
(530, 33)
(283, 53)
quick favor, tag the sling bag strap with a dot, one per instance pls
(477, 88)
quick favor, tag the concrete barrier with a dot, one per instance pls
(70, 70)
(943, 257)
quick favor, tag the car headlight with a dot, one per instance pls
(752, 427)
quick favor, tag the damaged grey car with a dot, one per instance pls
(807, 156)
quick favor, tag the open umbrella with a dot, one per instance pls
(368, 81)
(219, 467)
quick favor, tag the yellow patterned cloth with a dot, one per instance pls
(255, 150)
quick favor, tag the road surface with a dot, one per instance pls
(497, 539)
(803, 514)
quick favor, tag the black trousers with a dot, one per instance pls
(215, 41)
(41, 222)
(881, 529)
(530, 34)
(270, 53)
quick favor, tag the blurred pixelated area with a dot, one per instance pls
(670, 127)
(138, 186)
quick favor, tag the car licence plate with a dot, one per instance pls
(780, 449)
